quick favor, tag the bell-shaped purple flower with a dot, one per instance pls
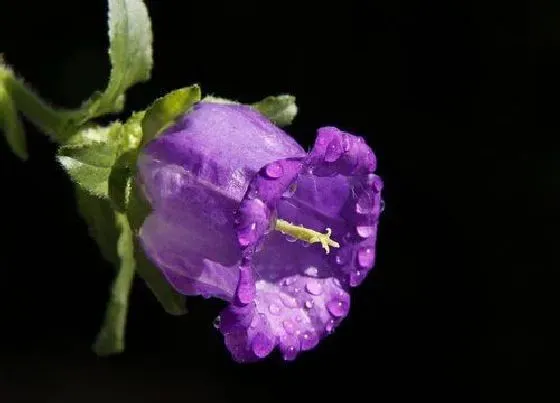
(241, 212)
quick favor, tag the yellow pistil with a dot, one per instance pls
(306, 234)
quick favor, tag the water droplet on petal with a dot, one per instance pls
(289, 281)
(274, 170)
(290, 238)
(308, 304)
(356, 277)
(365, 231)
(296, 290)
(305, 244)
(274, 309)
(289, 346)
(333, 151)
(289, 326)
(288, 301)
(308, 340)
(313, 287)
(365, 203)
(311, 271)
(262, 345)
(365, 257)
(346, 143)
(329, 327)
(338, 307)
(290, 353)
(382, 206)
(216, 322)
(254, 321)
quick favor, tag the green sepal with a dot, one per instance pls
(164, 111)
(281, 109)
(10, 123)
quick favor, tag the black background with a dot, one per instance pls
(457, 99)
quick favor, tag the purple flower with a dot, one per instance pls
(241, 212)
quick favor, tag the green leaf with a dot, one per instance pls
(11, 125)
(89, 164)
(280, 109)
(130, 51)
(165, 110)
(110, 339)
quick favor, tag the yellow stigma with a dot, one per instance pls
(306, 234)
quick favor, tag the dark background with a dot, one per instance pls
(459, 102)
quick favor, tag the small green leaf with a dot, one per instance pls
(165, 110)
(280, 109)
(110, 339)
(218, 100)
(11, 125)
(130, 51)
(89, 164)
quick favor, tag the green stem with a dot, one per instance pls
(46, 118)
(110, 339)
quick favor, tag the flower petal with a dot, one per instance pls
(194, 175)
(301, 292)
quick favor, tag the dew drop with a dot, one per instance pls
(382, 206)
(289, 326)
(365, 204)
(305, 244)
(297, 290)
(338, 307)
(346, 143)
(308, 304)
(365, 231)
(274, 309)
(261, 345)
(308, 340)
(313, 287)
(290, 238)
(329, 326)
(365, 257)
(356, 277)
(216, 322)
(333, 151)
(311, 271)
(290, 353)
(288, 301)
(254, 321)
(274, 170)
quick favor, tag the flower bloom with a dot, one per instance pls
(241, 212)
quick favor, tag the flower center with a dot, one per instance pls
(306, 234)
